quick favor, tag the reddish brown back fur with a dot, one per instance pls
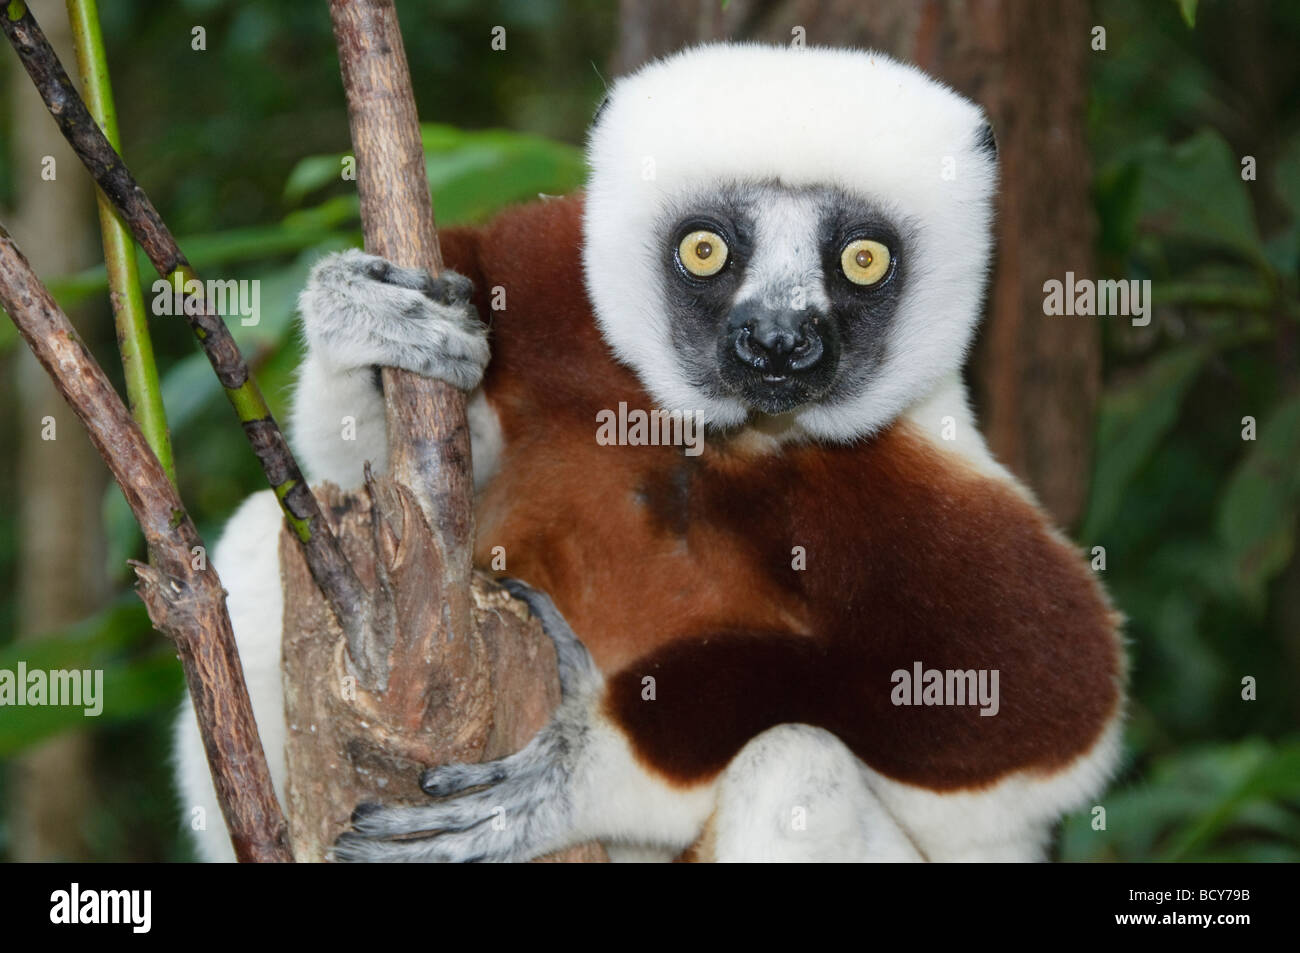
(680, 567)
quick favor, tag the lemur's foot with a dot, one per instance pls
(362, 311)
(515, 808)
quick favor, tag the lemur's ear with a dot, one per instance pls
(985, 142)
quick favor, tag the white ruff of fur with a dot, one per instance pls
(858, 120)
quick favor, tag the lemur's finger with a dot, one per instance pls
(402, 820)
(450, 779)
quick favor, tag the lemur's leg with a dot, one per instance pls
(796, 793)
(359, 313)
(577, 780)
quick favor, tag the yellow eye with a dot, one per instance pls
(702, 253)
(864, 261)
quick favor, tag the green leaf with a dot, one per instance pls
(211, 251)
(1251, 777)
(134, 682)
(1257, 514)
(310, 174)
(118, 627)
(1193, 193)
(1188, 10)
(1227, 802)
(129, 690)
(1132, 420)
(472, 173)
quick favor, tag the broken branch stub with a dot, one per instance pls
(469, 699)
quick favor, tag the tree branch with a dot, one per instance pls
(185, 603)
(330, 570)
(457, 671)
(428, 441)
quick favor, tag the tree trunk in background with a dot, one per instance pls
(1035, 379)
(648, 30)
(61, 575)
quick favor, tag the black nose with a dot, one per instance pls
(778, 344)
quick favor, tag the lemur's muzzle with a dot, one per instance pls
(776, 343)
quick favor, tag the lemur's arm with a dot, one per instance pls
(361, 313)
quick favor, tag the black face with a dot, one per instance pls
(744, 321)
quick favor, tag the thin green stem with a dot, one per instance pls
(143, 391)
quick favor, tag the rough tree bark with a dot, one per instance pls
(1036, 380)
(451, 669)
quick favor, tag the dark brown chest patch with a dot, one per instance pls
(912, 560)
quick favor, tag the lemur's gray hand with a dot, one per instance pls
(516, 808)
(362, 311)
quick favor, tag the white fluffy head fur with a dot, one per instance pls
(855, 120)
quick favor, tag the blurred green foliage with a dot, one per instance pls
(243, 154)
(1199, 524)
(140, 675)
